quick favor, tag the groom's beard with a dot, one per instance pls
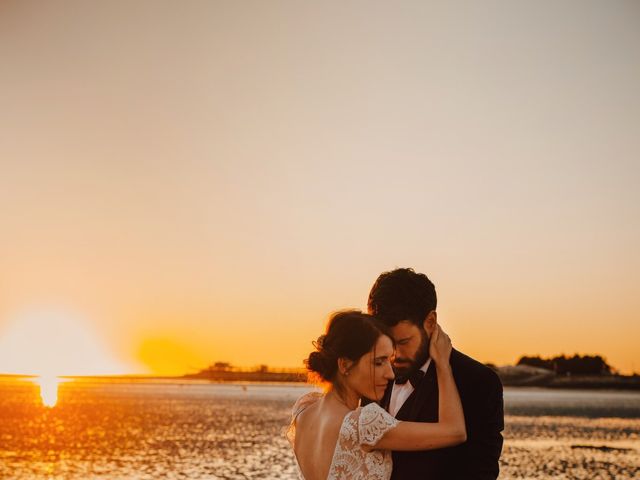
(405, 367)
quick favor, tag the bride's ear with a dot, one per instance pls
(344, 365)
(430, 322)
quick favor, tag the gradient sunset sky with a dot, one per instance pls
(185, 182)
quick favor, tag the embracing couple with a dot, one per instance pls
(400, 402)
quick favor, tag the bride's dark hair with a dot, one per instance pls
(350, 334)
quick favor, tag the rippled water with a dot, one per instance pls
(199, 430)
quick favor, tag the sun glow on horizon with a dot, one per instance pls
(50, 344)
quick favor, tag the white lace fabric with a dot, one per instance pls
(364, 426)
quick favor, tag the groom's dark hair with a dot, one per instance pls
(402, 294)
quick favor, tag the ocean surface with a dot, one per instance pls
(168, 430)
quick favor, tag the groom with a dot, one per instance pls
(406, 302)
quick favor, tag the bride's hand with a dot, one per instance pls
(440, 346)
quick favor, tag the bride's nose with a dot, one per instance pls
(388, 372)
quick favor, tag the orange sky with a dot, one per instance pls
(185, 184)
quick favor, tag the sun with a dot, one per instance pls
(51, 343)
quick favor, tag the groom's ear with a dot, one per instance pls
(430, 322)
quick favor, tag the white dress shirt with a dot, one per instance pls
(400, 393)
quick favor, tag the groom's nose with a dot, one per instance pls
(403, 355)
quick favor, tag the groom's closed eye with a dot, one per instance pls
(403, 341)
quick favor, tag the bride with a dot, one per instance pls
(333, 437)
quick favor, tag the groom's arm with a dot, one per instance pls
(485, 440)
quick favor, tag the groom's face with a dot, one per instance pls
(412, 347)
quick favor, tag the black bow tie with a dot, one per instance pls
(413, 379)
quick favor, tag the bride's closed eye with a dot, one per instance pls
(380, 361)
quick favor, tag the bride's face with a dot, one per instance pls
(370, 376)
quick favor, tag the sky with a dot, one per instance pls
(199, 181)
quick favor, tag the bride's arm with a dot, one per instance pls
(450, 429)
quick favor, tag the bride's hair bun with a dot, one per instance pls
(323, 361)
(350, 334)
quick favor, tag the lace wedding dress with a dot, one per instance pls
(362, 426)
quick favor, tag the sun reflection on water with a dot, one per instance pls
(48, 390)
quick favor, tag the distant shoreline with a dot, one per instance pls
(600, 382)
(526, 376)
(612, 382)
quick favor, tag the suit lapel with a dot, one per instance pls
(427, 389)
(425, 394)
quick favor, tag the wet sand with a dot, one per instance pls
(204, 431)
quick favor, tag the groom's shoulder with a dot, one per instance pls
(465, 367)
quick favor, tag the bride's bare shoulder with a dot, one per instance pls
(304, 402)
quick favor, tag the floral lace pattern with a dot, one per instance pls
(364, 426)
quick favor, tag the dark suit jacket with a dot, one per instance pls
(476, 459)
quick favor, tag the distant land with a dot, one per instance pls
(225, 372)
(561, 372)
(574, 372)
(526, 376)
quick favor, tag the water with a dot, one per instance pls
(208, 431)
(574, 403)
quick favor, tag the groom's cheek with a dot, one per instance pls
(402, 362)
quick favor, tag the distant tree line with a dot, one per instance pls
(576, 365)
(228, 367)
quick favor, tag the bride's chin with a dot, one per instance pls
(379, 393)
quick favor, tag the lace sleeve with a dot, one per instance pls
(373, 423)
